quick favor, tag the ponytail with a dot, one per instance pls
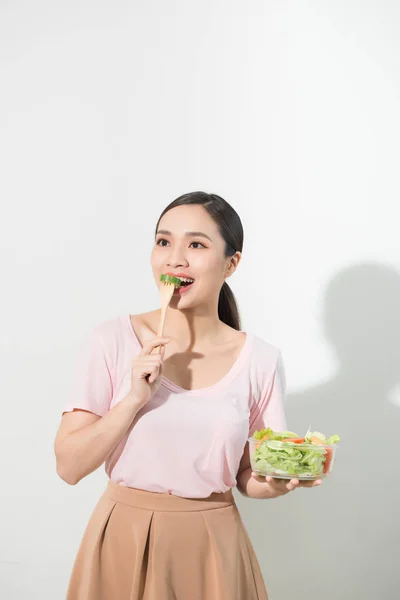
(228, 310)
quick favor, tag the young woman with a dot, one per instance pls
(172, 429)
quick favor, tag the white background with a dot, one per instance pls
(290, 111)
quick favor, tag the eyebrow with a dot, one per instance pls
(187, 233)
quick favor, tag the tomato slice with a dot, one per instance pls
(295, 440)
(328, 459)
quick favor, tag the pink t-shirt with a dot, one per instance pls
(185, 442)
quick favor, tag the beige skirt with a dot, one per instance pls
(141, 545)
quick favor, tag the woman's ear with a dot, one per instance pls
(233, 263)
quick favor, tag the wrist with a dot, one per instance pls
(258, 487)
(252, 488)
(133, 402)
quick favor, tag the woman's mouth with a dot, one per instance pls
(184, 287)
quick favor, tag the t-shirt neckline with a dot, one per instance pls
(222, 383)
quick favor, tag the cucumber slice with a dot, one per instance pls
(170, 279)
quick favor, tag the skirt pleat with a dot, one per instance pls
(141, 545)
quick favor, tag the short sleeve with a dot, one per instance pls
(269, 409)
(91, 386)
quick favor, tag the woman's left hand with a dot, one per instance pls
(279, 487)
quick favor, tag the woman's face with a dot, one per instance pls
(189, 244)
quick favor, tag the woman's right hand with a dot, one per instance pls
(147, 371)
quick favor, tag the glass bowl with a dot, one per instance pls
(291, 460)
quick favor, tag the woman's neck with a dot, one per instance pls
(188, 329)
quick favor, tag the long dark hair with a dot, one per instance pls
(230, 227)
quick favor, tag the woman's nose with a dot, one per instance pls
(176, 257)
(176, 262)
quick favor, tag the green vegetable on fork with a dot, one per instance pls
(170, 279)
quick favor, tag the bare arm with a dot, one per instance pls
(84, 440)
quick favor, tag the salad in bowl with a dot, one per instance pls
(286, 455)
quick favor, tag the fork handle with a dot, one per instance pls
(157, 349)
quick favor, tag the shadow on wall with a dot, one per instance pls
(342, 540)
